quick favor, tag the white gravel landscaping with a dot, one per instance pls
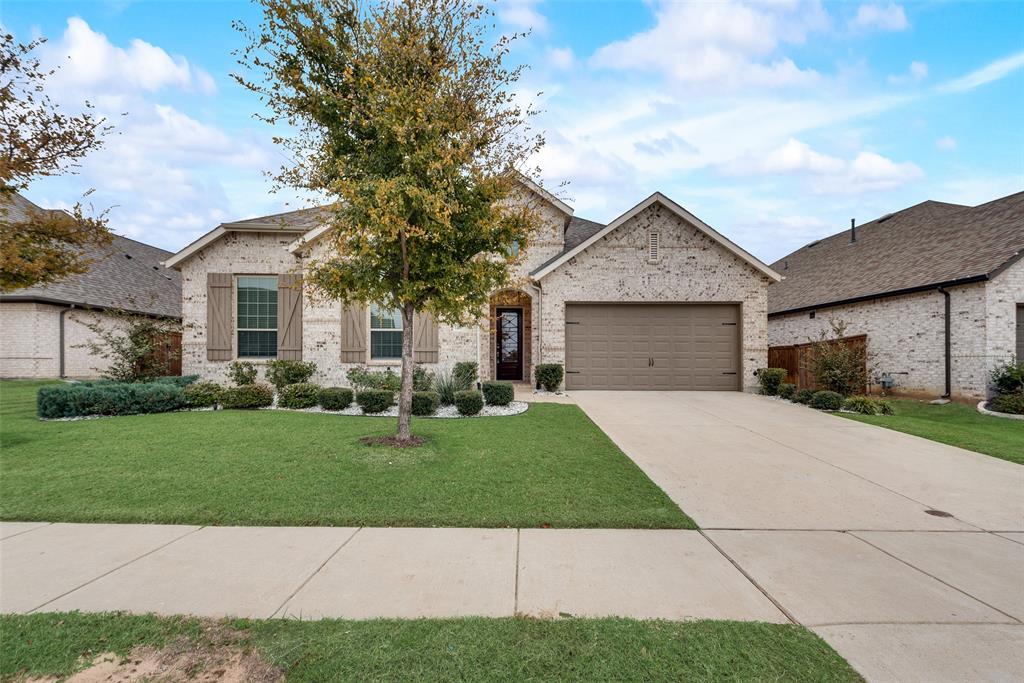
(513, 408)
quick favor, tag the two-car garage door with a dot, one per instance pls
(688, 347)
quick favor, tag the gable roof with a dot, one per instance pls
(125, 274)
(924, 246)
(593, 236)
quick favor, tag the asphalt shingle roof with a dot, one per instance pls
(577, 232)
(927, 244)
(124, 275)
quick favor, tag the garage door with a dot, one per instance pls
(690, 347)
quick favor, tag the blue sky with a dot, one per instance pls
(775, 122)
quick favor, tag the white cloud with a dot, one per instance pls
(916, 72)
(946, 143)
(998, 69)
(88, 61)
(522, 15)
(560, 58)
(881, 17)
(723, 44)
(792, 157)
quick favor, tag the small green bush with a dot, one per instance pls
(498, 393)
(242, 373)
(771, 379)
(826, 400)
(115, 398)
(375, 400)
(335, 398)
(865, 405)
(466, 373)
(282, 373)
(469, 402)
(365, 378)
(177, 380)
(446, 384)
(298, 396)
(787, 390)
(422, 379)
(203, 394)
(1008, 378)
(425, 402)
(549, 375)
(804, 396)
(247, 397)
(1012, 402)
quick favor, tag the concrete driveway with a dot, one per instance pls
(905, 554)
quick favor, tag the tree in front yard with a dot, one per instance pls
(403, 117)
(37, 139)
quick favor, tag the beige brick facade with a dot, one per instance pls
(30, 343)
(906, 333)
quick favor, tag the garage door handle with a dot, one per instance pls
(733, 324)
(572, 372)
(728, 373)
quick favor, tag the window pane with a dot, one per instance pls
(381, 319)
(257, 344)
(257, 303)
(386, 344)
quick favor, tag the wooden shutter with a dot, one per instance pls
(289, 316)
(219, 330)
(424, 346)
(353, 334)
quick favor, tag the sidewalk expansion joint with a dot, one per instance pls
(515, 599)
(315, 572)
(42, 525)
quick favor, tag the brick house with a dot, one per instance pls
(43, 329)
(937, 288)
(655, 299)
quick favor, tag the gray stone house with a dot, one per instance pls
(655, 299)
(44, 329)
(937, 288)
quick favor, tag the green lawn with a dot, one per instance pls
(443, 649)
(955, 424)
(548, 466)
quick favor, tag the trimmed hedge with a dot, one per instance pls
(299, 395)
(375, 400)
(498, 393)
(469, 402)
(1012, 403)
(770, 380)
(549, 375)
(80, 400)
(826, 400)
(203, 394)
(787, 390)
(465, 373)
(804, 396)
(248, 396)
(282, 373)
(335, 398)
(425, 402)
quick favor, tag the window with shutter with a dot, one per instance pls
(385, 333)
(257, 316)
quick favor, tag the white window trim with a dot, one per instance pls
(370, 360)
(234, 323)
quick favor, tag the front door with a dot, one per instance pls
(509, 344)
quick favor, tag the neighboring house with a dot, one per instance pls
(656, 299)
(43, 329)
(937, 288)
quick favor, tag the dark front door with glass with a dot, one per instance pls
(509, 349)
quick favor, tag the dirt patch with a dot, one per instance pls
(392, 441)
(220, 655)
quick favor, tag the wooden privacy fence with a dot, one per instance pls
(170, 350)
(796, 357)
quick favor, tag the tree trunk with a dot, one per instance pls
(405, 395)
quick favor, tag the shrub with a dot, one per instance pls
(363, 378)
(865, 405)
(113, 398)
(1008, 378)
(425, 402)
(375, 400)
(837, 363)
(136, 347)
(446, 384)
(826, 400)
(335, 398)
(242, 372)
(281, 373)
(549, 375)
(787, 390)
(203, 394)
(1011, 402)
(771, 379)
(469, 402)
(248, 396)
(466, 373)
(804, 396)
(299, 395)
(177, 380)
(498, 393)
(422, 379)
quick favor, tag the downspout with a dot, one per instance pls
(60, 337)
(949, 374)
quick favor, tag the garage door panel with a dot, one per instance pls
(693, 346)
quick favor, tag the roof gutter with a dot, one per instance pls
(82, 304)
(883, 295)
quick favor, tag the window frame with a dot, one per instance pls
(370, 329)
(236, 320)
